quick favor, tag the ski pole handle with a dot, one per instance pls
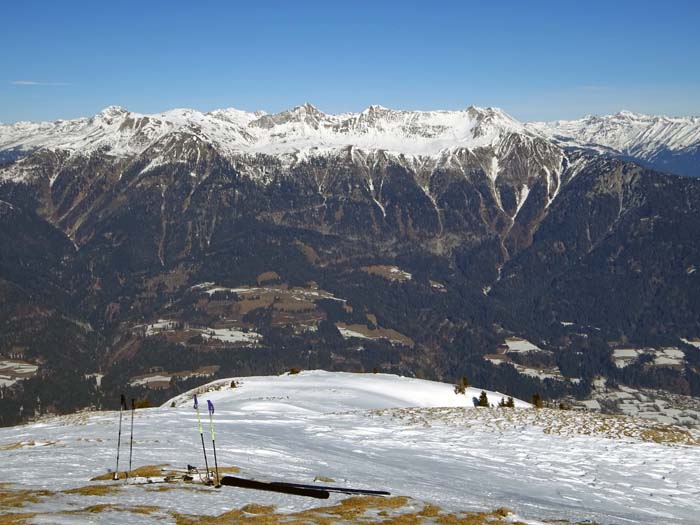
(199, 420)
(123, 401)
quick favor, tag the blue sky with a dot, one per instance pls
(535, 59)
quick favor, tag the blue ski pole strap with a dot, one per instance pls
(211, 406)
(196, 405)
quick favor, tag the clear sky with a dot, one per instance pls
(535, 59)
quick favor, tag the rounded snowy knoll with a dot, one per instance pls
(321, 392)
(416, 439)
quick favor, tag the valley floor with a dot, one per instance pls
(445, 460)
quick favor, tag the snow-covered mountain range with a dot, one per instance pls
(671, 143)
(631, 133)
(122, 133)
(657, 140)
(442, 459)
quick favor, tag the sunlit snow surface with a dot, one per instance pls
(297, 427)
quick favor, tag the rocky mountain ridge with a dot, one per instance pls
(121, 133)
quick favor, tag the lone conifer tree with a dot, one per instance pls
(461, 386)
(537, 400)
(483, 399)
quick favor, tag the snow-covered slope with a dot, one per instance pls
(324, 392)
(122, 133)
(359, 430)
(629, 133)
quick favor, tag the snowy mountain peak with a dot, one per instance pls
(113, 111)
(490, 118)
(305, 114)
(625, 114)
(110, 114)
(375, 108)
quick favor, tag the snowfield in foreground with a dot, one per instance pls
(412, 437)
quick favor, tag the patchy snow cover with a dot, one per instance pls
(12, 370)
(393, 273)
(298, 293)
(695, 343)
(161, 325)
(400, 274)
(158, 378)
(347, 333)
(654, 405)
(625, 356)
(520, 346)
(227, 335)
(665, 356)
(298, 131)
(363, 430)
(539, 373)
(231, 335)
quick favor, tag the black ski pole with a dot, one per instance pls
(122, 406)
(201, 435)
(131, 439)
(213, 440)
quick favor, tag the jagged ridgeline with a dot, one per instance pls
(156, 251)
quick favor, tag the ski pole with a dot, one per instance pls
(131, 439)
(122, 406)
(201, 435)
(213, 440)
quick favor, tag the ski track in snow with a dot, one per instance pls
(297, 427)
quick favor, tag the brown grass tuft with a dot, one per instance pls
(22, 444)
(21, 497)
(324, 479)
(229, 470)
(145, 471)
(94, 490)
(669, 434)
(17, 518)
(254, 508)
